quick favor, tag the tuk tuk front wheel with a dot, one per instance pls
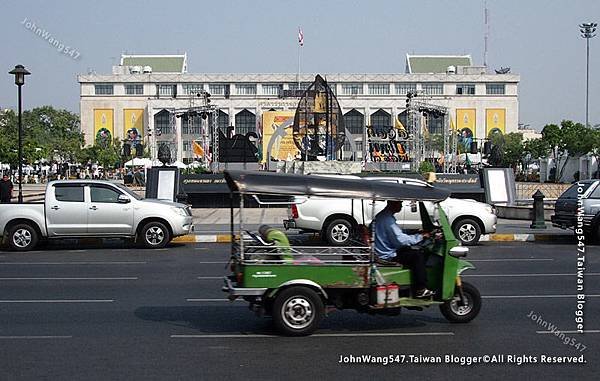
(297, 311)
(457, 313)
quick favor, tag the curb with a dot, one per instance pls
(525, 237)
(499, 237)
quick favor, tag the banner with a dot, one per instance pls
(495, 120)
(133, 123)
(283, 147)
(103, 125)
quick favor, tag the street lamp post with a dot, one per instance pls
(587, 31)
(20, 72)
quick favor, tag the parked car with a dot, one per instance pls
(93, 208)
(336, 219)
(565, 208)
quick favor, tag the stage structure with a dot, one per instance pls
(208, 142)
(318, 129)
(420, 140)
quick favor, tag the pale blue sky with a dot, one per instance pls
(538, 39)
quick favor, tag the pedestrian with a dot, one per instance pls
(6, 188)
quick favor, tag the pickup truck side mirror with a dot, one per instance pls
(413, 207)
(122, 199)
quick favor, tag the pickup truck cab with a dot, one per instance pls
(93, 208)
(337, 219)
(583, 196)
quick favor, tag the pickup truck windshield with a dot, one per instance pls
(129, 191)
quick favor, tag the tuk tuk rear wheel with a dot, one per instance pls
(297, 311)
(455, 313)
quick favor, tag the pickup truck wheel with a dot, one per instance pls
(338, 232)
(154, 235)
(22, 237)
(297, 311)
(467, 231)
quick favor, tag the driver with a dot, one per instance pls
(392, 244)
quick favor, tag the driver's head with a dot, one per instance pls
(394, 206)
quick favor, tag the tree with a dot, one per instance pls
(48, 133)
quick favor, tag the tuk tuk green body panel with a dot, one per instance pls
(326, 276)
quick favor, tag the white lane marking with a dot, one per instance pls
(526, 275)
(210, 277)
(534, 296)
(511, 260)
(35, 337)
(584, 332)
(75, 263)
(60, 301)
(76, 251)
(93, 278)
(200, 248)
(212, 262)
(315, 335)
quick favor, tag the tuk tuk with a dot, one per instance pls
(297, 285)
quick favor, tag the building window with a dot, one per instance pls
(134, 89)
(405, 88)
(433, 88)
(245, 122)
(104, 89)
(191, 124)
(354, 121)
(245, 89)
(495, 88)
(192, 88)
(295, 86)
(381, 118)
(166, 90)
(333, 87)
(271, 89)
(352, 88)
(465, 89)
(216, 89)
(359, 145)
(222, 122)
(379, 88)
(187, 145)
(162, 123)
(435, 124)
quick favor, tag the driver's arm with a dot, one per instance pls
(403, 239)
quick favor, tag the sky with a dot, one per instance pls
(537, 39)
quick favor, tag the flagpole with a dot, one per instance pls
(298, 75)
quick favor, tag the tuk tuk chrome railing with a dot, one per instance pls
(308, 255)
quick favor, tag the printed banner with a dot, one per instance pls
(495, 120)
(283, 147)
(133, 124)
(103, 125)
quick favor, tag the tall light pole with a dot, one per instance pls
(587, 31)
(20, 72)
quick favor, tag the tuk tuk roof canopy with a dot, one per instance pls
(270, 183)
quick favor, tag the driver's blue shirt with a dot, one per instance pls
(389, 237)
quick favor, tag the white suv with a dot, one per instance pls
(336, 219)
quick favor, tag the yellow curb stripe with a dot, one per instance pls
(190, 238)
(502, 237)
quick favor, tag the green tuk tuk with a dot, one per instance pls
(296, 285)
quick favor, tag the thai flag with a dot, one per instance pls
(300, 37)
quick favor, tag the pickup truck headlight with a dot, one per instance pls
(180, 211)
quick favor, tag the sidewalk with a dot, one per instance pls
(213, 225)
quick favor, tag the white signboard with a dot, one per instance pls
(166, 185)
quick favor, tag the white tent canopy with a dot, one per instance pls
(142, 162)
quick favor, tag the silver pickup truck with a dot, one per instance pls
(93, 208)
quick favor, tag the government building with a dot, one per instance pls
(143, 92)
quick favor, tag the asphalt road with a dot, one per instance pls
(116, 312)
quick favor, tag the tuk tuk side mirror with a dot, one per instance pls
(459, 251)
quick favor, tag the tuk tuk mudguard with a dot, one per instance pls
(451, 264)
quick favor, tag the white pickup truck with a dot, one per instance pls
(336, 219)
(93, 208)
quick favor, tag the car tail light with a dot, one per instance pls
(294, 211)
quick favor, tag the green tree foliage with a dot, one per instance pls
(48, 134)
